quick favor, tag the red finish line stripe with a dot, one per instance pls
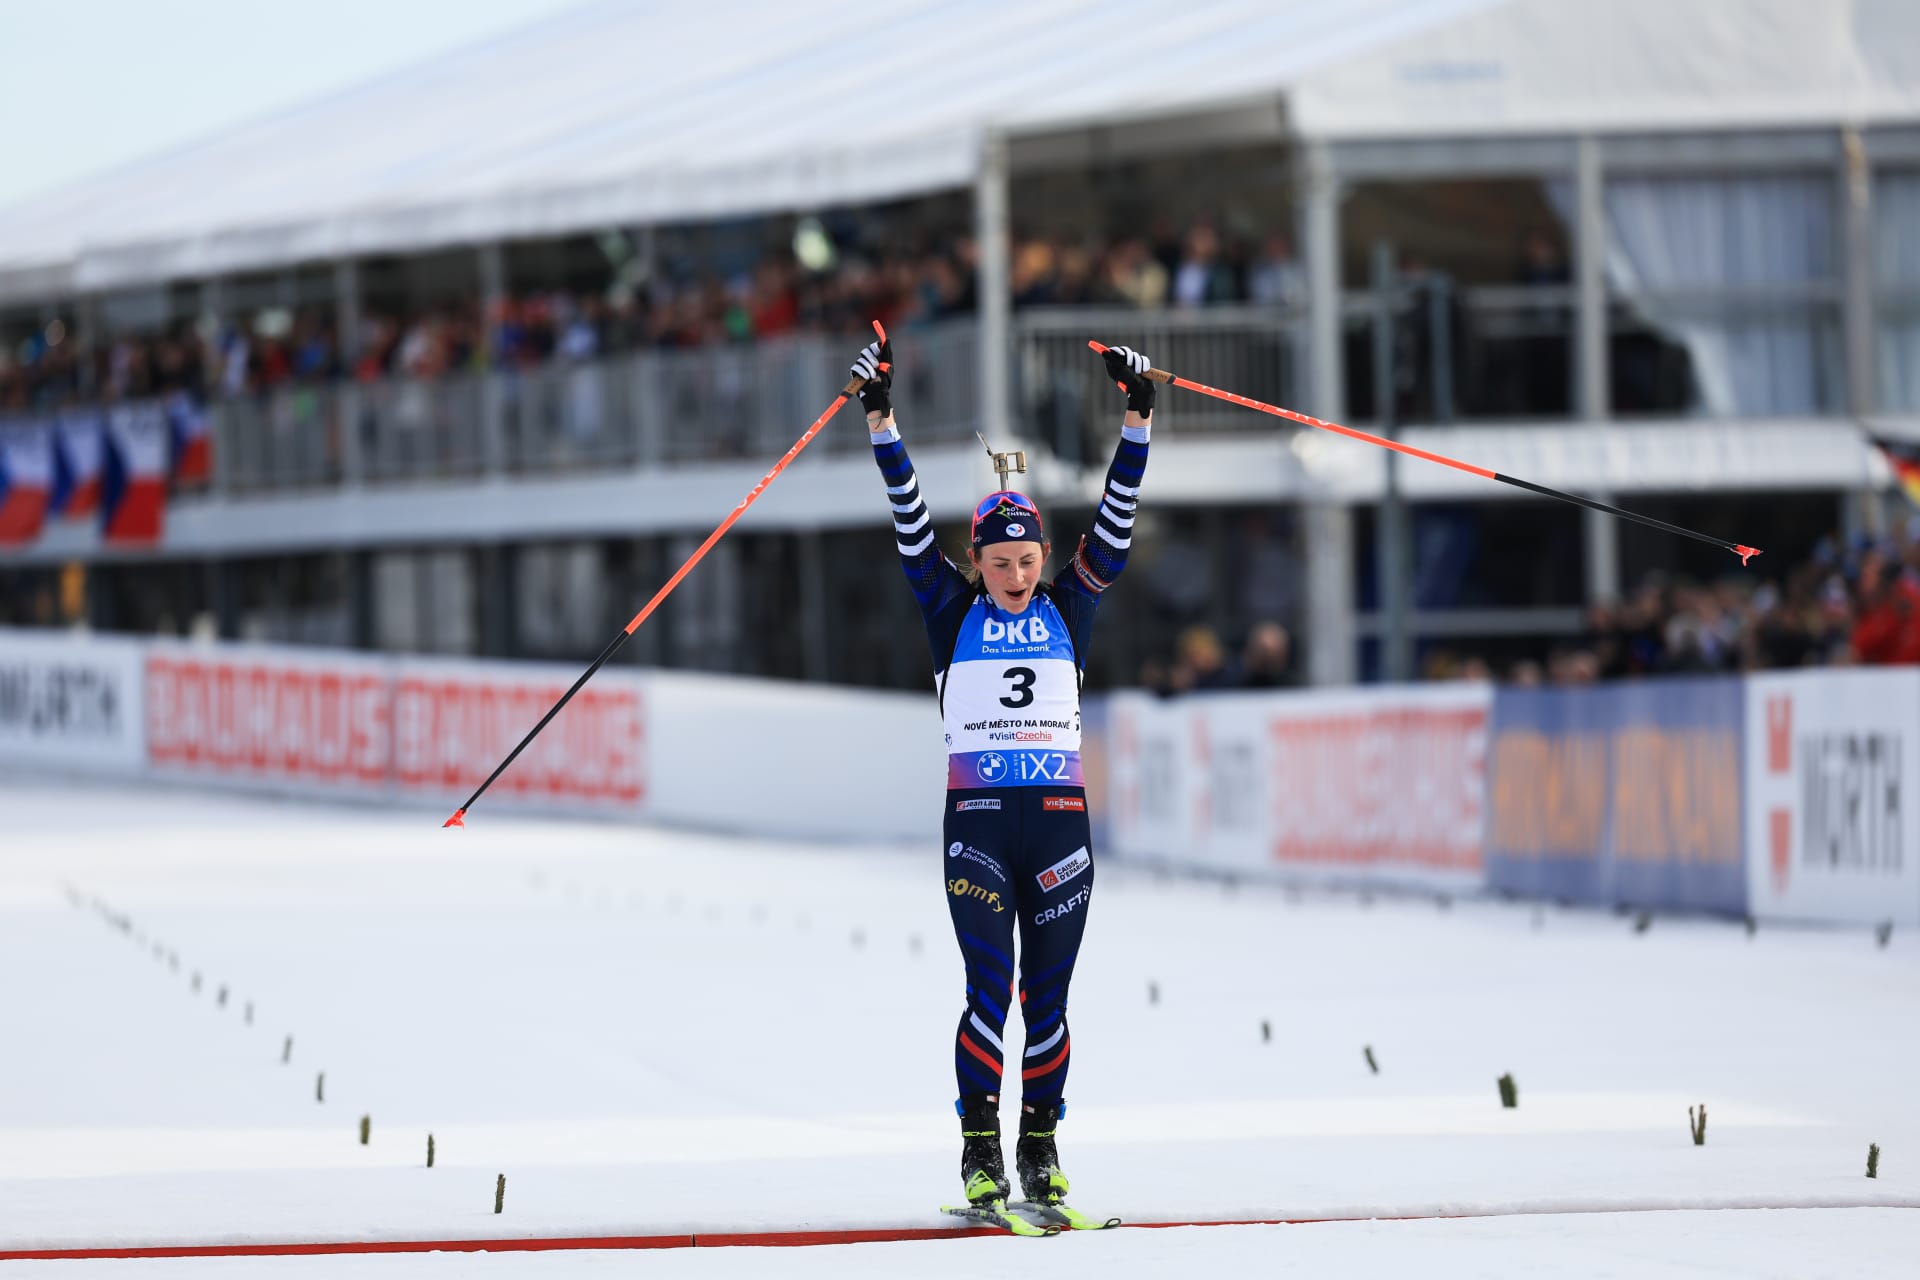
(800, 1239)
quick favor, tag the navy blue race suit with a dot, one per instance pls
(1018, 854)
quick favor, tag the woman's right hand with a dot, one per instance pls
(875, 364)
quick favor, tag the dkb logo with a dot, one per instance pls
(1020, 631)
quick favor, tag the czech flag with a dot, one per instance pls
(192, 446)
(26, 474)
(77, 446)
(133, 476)
(1903, 456)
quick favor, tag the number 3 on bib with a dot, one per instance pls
(1022, 691)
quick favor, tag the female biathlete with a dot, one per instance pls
(1008, 653)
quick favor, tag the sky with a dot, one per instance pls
(87, 85)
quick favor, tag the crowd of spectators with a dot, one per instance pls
(50, 364)
(1846, 605)
(1200, 662)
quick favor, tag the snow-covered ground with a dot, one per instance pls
(656, 1032)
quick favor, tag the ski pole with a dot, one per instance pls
(851, 389)
(1745, 553)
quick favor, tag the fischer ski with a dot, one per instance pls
(994, 1214)
(1061, 1216)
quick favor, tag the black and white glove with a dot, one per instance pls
(1129, 368)
(875, 364)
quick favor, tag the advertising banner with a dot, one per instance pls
(1351, 786)
(70, 701)
(318, 720)
(1625, 793)
(453, 722)
(331, 722)
(1832, 766)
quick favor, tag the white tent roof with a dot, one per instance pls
(628, 112)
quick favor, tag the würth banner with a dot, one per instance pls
(1833, 770)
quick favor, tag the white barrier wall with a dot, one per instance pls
(71, 703)
(755, 756)
(1832, 774)
(1346, 786)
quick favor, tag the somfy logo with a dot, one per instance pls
(964, 888)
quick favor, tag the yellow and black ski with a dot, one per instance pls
(1061, 1216)
(993, 1213)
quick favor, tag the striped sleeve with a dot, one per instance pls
(931, 575)
(1103, 552)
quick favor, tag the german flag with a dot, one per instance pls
(1904, 457)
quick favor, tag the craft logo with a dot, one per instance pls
(969, 806)
(1066, 908)
(1063, 804)
(1850, 803)
(965, 888)
(1065, 869)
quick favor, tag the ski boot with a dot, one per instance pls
(983, 1169)
(1035, 1157)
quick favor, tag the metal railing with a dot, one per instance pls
(293, 439)
(1482, 352)
(418, 429)
(1063, 397)
(712, 404)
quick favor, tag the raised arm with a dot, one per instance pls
(934, 579)
(1102, 554)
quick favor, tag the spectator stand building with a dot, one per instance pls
(480, 366)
